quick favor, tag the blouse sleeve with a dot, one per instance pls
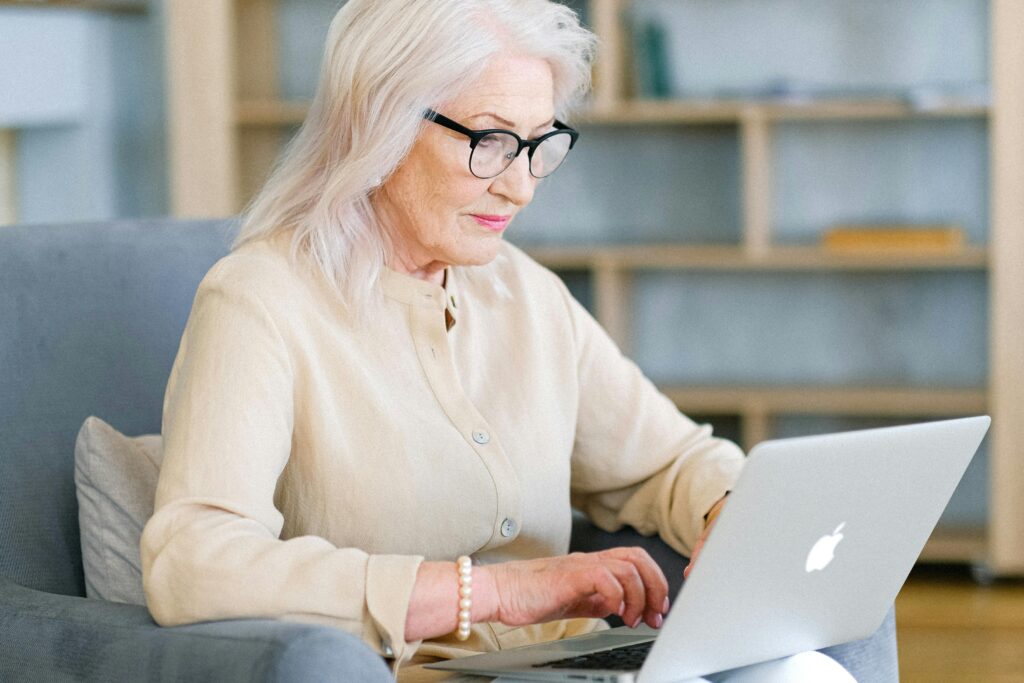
(637, 460)
(212, 550)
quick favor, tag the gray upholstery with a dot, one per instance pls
(48, 637)
(90, 320)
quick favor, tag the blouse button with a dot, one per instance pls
(481, 437)
(508, 527)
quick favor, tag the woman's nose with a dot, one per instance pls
(515, 183)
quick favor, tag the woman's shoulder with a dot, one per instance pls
(264, 267)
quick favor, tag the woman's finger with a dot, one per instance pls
(633, 584)
(602, 581)
(697, 547)
(655, 583)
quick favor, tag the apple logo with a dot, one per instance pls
(823, 552)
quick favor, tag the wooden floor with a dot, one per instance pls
(950, 629)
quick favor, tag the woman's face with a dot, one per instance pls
(432, 205)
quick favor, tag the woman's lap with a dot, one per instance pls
(806, 667)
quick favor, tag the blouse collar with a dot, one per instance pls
(416, 292)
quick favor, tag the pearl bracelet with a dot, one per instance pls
(465, 567)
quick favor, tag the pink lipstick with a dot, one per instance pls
(495, 223)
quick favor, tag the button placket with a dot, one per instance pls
(433, 345)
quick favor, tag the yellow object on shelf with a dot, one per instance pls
(884, 237)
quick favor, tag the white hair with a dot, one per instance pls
(385, 62)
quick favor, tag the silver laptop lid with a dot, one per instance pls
(815, 543)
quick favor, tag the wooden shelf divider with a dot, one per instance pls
(1006, 382)
(8, 170)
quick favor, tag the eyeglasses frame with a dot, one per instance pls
(475, 136)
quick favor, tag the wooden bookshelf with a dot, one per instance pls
(227, 119)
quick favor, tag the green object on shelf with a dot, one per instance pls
(651, 60)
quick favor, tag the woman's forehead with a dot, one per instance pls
(511, 92)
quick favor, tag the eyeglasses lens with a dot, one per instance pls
(493, 154)
(496, 152)
(550, 154)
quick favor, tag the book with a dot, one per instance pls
(893, 236)
(652, 71)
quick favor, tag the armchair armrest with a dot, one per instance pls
(45, 636)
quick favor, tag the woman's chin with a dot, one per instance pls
(482, 253)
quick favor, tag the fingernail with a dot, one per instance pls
(637, 622)
(664, 606)
(658, 621)
(622, 608)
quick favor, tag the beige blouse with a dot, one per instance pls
(313, 459)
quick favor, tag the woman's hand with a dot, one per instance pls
(716, 509)
(623, 581)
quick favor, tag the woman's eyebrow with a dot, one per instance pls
(506, 122)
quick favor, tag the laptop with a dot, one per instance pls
(816, 540)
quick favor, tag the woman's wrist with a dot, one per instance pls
(713, 513)
(485, 595)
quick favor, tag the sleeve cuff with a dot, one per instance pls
(389, 583)
(716, 480)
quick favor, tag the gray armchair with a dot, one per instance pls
(90, 319)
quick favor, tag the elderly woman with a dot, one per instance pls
(374, 383)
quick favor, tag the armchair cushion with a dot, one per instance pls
(115, 479)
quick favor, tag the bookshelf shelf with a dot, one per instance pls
(695, 112)
(669, 112)
(779, 258)
(758, 406)
(817, 400)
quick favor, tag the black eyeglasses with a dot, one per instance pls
(493, 150)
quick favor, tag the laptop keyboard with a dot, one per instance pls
(626, 658)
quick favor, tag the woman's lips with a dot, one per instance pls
(495, 223)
